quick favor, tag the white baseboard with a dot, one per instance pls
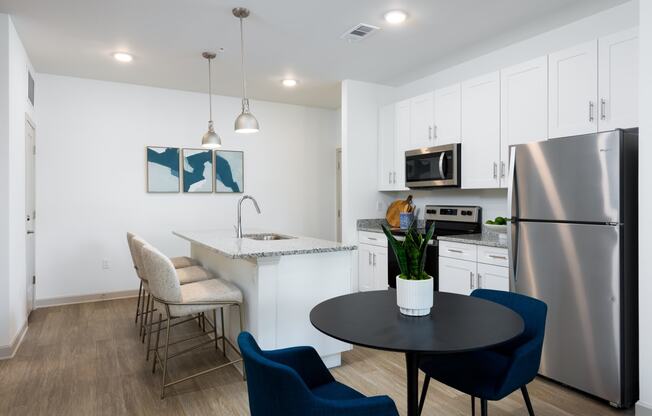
(8, 351)
(643, 409)
(69, 300)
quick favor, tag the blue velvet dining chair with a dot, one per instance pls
(295, 382)
(494, 373)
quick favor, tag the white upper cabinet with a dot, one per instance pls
(447, 127)
(386, 147)
(421, 121)
(481, 132)
(524, 107)
(573, 103)
(618, 80)
(402, 130)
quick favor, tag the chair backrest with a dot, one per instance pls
(137, 244)
(274, 388)
(161, 274)
(533, 311)
(134, 254)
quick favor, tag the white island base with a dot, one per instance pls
(279, 293)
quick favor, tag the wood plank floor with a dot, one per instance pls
(86, 359)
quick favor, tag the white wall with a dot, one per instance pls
(91, 142)
(645, 206)
(13, 109)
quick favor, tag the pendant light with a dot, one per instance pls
(211, 140)
(246, 122)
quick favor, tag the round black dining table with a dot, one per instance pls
(456, 324)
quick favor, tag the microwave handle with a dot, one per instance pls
(441, 165)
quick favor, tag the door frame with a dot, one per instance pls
(30, 281)
(338, 194)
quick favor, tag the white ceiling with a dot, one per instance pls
(284, 38)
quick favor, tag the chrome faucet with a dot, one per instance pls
(238, 230)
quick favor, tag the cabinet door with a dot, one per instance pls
(456, 276)
(573, 107)
(481, 132)
(365, 268)
(524, 108)
(401, 144)
(618, 80)
(380, 268)
(386, 147)
(447, 126)
(493, 277)
(421, 115)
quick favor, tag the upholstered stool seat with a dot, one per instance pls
(183, 261)
(203, 294)
(193, 274)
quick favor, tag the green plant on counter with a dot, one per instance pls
(411, 252)
(498, 221)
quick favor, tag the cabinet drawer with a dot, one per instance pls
(458, 250)
(493, 255)
(374, 239)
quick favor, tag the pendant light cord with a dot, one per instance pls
(242, 61)
(210, 89)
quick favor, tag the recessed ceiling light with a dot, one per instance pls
(289, 82)
(395, 16)
(123, 57)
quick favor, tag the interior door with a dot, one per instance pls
(386, 147)
(456, 276)
(421, 115)
(481, 132)
(524, 108)
(573, 90)
(575, 270)
(30, 212)
(448, 115)
(618, 80)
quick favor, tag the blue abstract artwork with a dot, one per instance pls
(162, 169)
(229, 171)
(197, 170)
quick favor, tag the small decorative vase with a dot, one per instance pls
(414, 297)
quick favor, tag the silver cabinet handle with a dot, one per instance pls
(502, 169)
(374, 259)
(450, 250)
(429, 132)
(390, 177)
(603, 109)
(435, 130)
(591, 105)
(370, 259)
(479, 281)
(493, 256)
(471, 280)
(394, 180)
(495, 170)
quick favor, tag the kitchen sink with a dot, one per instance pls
(267, 237)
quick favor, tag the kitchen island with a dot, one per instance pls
(282, 278)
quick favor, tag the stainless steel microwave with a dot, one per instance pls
(432, 167)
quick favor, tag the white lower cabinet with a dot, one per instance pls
(462, 268)
(372, 261)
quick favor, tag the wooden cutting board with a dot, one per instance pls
(393, 215)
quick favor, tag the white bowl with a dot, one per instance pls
(500, 229)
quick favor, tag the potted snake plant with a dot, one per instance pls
(414, 287)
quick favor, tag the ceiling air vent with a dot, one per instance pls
(359, 32)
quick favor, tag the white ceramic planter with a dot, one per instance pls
(414, 297)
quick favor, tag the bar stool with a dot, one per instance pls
(179, 301)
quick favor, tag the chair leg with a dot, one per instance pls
(147, 316)
(472, 405)
(138, 310)
(165, 354)
(215, 328)
(484, 411)
(158, 334)
(240, 312)
(424, 392)
(223, 333)
(528, 403)
(142, 312)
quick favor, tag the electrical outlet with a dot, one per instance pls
(105, 265)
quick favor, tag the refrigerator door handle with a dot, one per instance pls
(511, 185)
(512, 229)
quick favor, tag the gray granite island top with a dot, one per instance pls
(484, 239)
(224, 242)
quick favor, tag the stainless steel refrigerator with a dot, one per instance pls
(573, 243)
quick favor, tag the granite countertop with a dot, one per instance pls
(224, 242)
(484, 239)
(373, 225)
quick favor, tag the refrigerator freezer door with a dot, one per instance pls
(574, 179)
(574, 269)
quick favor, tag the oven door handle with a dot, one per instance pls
(441, 165)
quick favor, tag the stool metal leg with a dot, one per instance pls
(215, 328)
(147, 316)
(158, 333)
(149, 330)
(223, 333)
(138, 309)
(165, 354)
